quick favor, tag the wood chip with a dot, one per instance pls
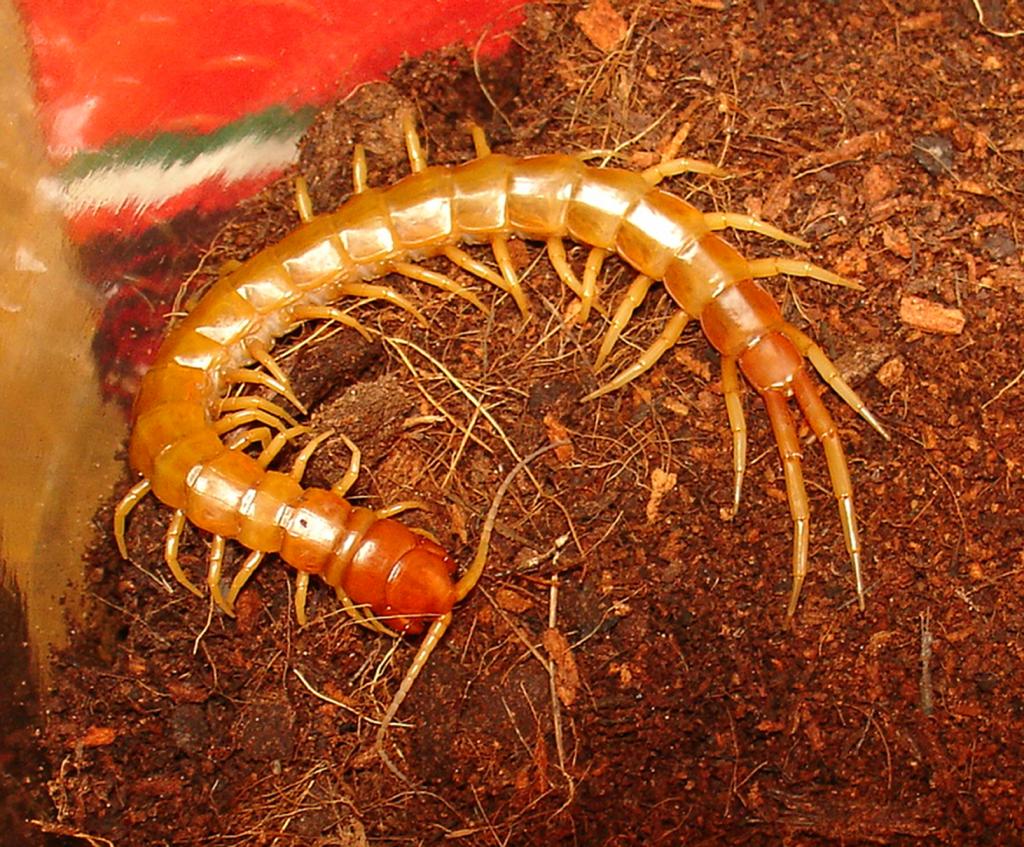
(928, 316)
(891, 373)
(558, 432)
(511, 601)
(602, 25)
(567, 675)
(98, 736)
(661, 483)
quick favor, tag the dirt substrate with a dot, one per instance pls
(622, 674)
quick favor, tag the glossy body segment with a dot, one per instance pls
(374, 563)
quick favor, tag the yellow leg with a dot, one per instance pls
(824, 366)
(591, 270)
(480, 141)
(303, 203)
(413, 148)
(789, 449)
(499, 246)
(438, 280)
(733, 220)
(276, 444)
(217, 545)
(668, 337)
(172, 542)
(797, 267)
(633, 297)
(301, 590)
(359, 170)
(381, 292)
(673, 167)
(329, 313)
(251, 377)
(259, 352)
(824, 427)
(404, 506)
(123, 508)
(737, 424)
(342, 486)
(248, 568)
(461, 258)
(247, 416)
(248, 403)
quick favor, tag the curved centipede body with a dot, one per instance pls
(189, 441)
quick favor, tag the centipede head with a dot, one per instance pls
(420, 588)
(404, 578)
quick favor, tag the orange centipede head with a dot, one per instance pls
(420, 587)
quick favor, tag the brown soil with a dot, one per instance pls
(891, 136)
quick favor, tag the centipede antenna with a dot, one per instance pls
(427, 645)
(462, 588)
(472, 574)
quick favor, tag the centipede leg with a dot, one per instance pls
(123, 508)
(825, 429)
(216, 566)
(633, 297)
(360, 173)
(674, 167)
(748, 223)
(248, 403)
(381, 292)
(301, 590)
(172, 542)
(499, 246)
(259, 352)
(737, 425)
(438, 280)
(591, 271)
(459, 257)
(247, 416)
(303, 202)
(666, 339)
(413, 147)
(828, 371)
(560, 262)
(245, 375)
(329, 313)
(760, 268)
(799, 509)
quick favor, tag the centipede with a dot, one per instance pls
(207, 453)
